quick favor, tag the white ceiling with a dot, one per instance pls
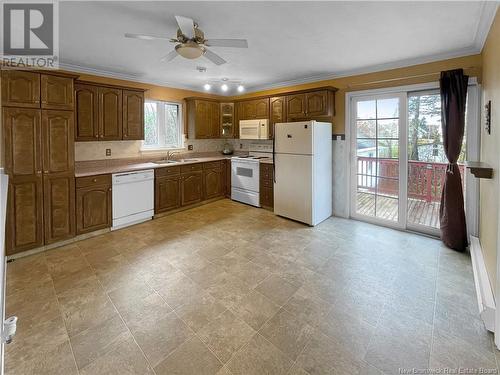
(288, 41)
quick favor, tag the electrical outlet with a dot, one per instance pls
(241, 146)
(108, 152)
(190, 147)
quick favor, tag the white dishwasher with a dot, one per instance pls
(133, 198)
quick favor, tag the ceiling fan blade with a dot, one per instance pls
(145, 36)
(169, 56)
(235, 43)
(213, 57)
(186, 25)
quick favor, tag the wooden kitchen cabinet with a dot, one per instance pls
(20, 89)
(213, 180)
(167, 189)
(133, 115)
(93, 203)
(317, 104)
(253, 109)
(296, 107)
(277, 113)
(312, 105)
(86, 112)
(266, 186)
(203, 117)
(58, 142)
(56, 92)
(191, 187)
(110, 113)
(227, 185)
(59, 206)
(24, 227)
(227, 120)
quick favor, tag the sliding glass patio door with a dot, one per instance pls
(378, 164)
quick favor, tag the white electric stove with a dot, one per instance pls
(245, 173)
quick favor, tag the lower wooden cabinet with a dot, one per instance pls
(213, 180)
(227, 176)
(59, 207)
(24, 229)
(93, 203)
(266, 186)
(191, 188)
(167, 193)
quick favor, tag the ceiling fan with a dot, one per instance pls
(191, 42)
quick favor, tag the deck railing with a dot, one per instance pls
(425, 180)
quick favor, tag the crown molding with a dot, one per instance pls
(486, 18)
(367, 70)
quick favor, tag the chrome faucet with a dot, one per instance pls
(170, 154)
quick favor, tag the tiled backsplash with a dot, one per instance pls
(132, 149)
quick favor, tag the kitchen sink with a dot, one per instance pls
(185, 160)
(166, 161)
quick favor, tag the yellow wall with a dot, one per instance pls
(395, 77)
(490, 144)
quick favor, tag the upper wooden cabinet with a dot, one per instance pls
(227, 120)
(20, 89)
(133, 115)
(253, 109)
(108, 113)
(312, 105)
(23, 141)
(56, 92)
(203, 117)
(86, 113)
(296, 106)
(277, 112)
(58, 141)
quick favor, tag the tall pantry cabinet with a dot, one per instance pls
(38, 139)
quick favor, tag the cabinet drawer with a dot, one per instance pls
(170, 171)
(267, 183)
(103, 179)
(267, 197)
(212, 165)
(191, 167)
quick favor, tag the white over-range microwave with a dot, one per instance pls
(254, 129)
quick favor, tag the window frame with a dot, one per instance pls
(180, 126)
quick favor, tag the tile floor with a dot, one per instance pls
(230, 289)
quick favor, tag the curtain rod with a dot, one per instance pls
(402, 78)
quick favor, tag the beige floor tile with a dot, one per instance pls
(311, 309)
(287, 332)
(125, 358)
(277, 289)
(158, 338)
(225, 335)
(255, 309)
(192, 357)
(98, 340)
(74, 280)
(57, 361)
(178, 289)
(259, 357)
(201, 309)
(251, 273)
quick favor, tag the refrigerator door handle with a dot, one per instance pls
(274, 153)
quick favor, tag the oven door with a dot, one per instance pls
(245, 174)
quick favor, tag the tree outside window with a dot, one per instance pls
(162, 125)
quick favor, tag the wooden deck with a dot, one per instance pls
(419, 211)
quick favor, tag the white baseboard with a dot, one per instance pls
(484, 292)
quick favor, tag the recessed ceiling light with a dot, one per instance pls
(207, 87)
(224, 87)
(241, 88)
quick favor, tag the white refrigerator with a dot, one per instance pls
(303, 171)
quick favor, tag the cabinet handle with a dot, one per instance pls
(101, 136)
(45, 171)
(109, 189)
(97, 135)
(38, 172)
(94, 180)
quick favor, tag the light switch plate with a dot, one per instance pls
(190, 147)
(108, 152)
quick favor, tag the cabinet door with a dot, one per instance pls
(191, 191)
(20, 89)
(58, 142)
(22, 141)
(24, 228)
(202, 119)
(214, 120)
(110, 114)
(56, 92)
(266, 197)
(167, 193)
(262, 108)
(248, 110)
(228, 178)
(317, 103)
(296, 106)
(86, 116)
(212, 183)
(278, 113)
(59, 207)
(93, 208)
(133, 115)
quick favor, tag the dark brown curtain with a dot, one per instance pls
(453, 87)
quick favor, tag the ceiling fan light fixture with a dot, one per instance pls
(189, 50)
(207, 86)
